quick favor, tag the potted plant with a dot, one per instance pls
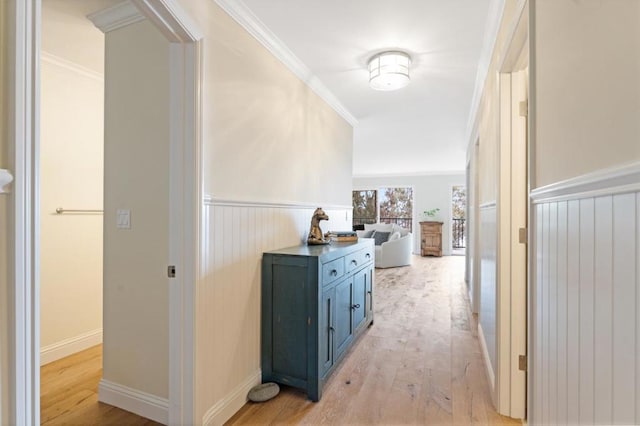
(431, 215)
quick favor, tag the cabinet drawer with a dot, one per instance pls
(332, 270)
(356, 259)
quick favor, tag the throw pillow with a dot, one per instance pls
(365, 234)
(384, 227)
(394, 236)
(380, 237)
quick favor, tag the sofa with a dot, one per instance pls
(393, 244)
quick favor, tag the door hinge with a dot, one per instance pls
(524, 109)
(171, 271)
(522, 363)
(522, 236)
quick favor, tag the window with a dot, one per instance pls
(365, 207)
(396, 206)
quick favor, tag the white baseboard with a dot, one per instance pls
(224, 409)
(487, 360)
(70, 346)
(134, 401)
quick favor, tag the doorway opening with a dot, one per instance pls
(458, 220)
(71, 170)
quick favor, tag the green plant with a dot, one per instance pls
(431, 213)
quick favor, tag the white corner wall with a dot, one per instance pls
(71, 176)
(429, 192)
(136, 178)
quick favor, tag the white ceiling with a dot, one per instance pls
(420, 129)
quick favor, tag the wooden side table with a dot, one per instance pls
(431, 238)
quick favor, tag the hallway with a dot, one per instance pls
(420, 362)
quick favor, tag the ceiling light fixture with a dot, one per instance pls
(389, 70)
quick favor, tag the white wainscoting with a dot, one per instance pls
(488, 287)
(235, 234)
(585, 352)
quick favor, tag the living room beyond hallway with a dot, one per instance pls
(419, 363)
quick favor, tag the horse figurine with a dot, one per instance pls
(316, 237)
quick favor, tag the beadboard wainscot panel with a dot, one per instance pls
(235, 234)
(487, 325)
(585, 324)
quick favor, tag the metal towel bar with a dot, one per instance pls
(61, 210)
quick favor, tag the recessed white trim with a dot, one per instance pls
(614, 180)
(222, 411)
(138, 402)
(114, 17)
(487, 361)
(71, 66)
(213, 201)
(5, 179)
(250, 22)
(70, 346)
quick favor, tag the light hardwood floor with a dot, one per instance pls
(420, 362)
(69, 393)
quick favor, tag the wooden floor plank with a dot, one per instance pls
(420, 362)
(69, 393)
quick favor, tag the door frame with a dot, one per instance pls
(513, 202)
(185, 188)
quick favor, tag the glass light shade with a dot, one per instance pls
(389, 70)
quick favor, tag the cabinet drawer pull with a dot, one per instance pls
(367, 256)
(354, 262)
(369, 292)
(333, 272)
(354, 307)
(332, 329)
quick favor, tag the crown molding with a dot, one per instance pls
(115, 17)
(491, 29)
(250, 22)
(71, 66)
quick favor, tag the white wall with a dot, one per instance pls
(429, 192)
(274, 151)
(268, 136)
(587, 90)
(71, 169)
(585, 329)
(136, 178)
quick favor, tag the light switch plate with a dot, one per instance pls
(123, 219)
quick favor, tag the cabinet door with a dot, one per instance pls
(343, 325)
(359, 298)
(369, 294)
(327, 330)
(289, 322)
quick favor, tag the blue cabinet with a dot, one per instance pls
(316, 300)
